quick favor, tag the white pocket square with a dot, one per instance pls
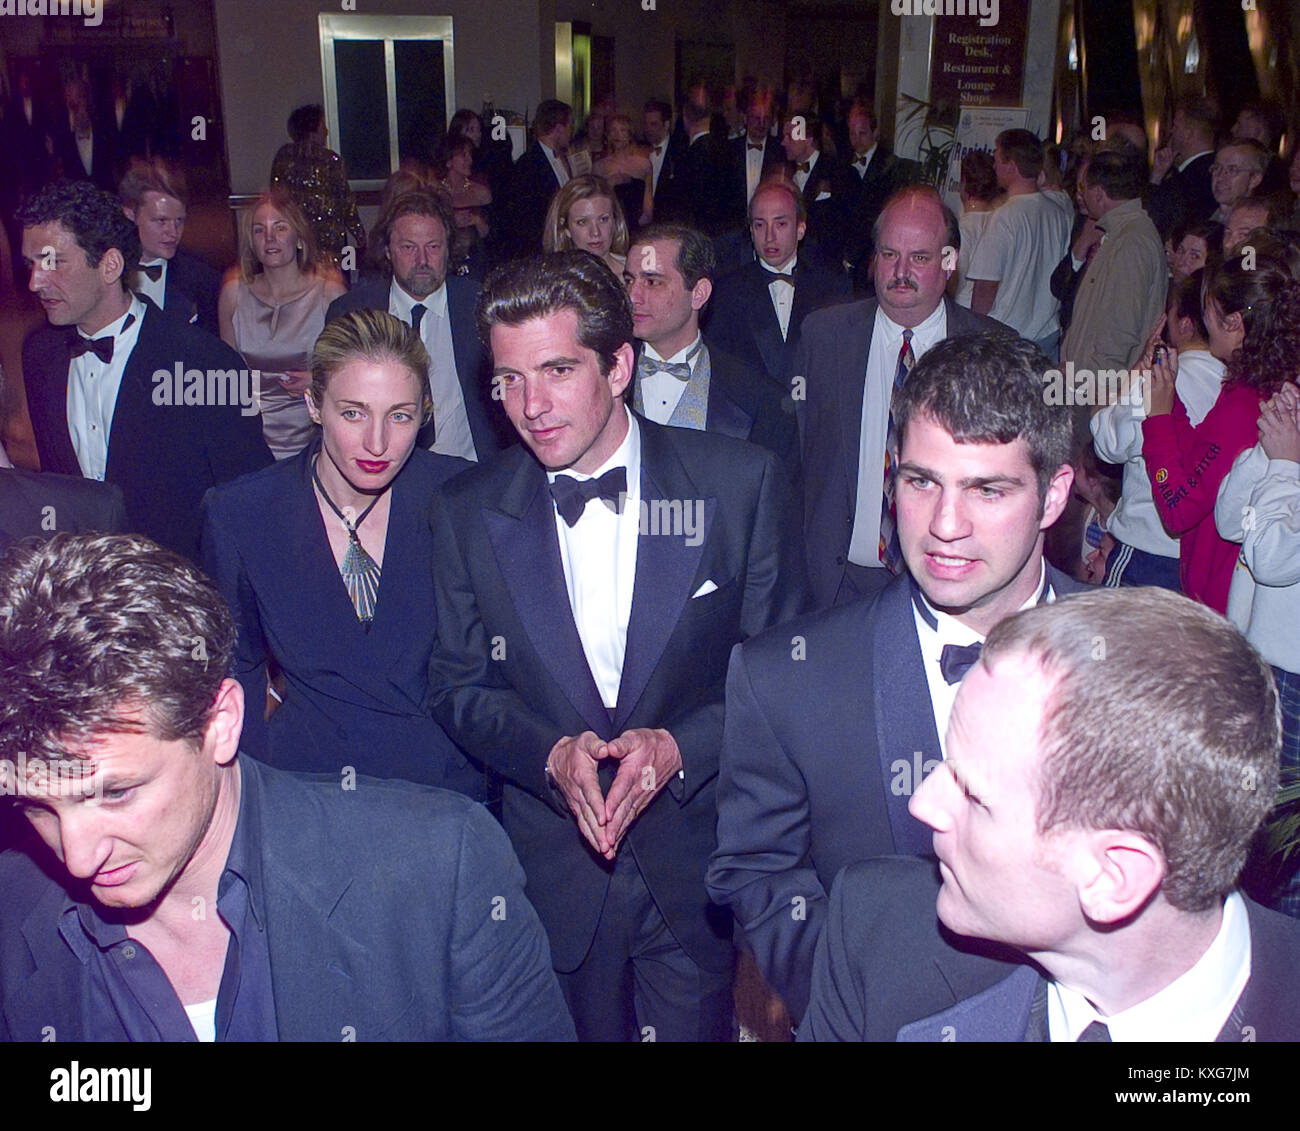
(704, 590)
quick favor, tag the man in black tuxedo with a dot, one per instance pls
(541, 170)
(666, 153)
(876, 173)
(827, 188)
(37, 504)
(833, 720)
(750, 156)
(595, 580)
(705, 162)
(1181, 169)
(683, 378)
(414, 235)
(1093, 817)
(116, 391)
(757, 310)
(850, 358)
(83, 150)
(181, 285)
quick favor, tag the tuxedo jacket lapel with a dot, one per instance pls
(765, 325)
(1000, 1013)
(522, 532)
(666, 567)
(905, 730)
(51, 405)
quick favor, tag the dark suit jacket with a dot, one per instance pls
(192, 289)
(741, 319)
(819, 760)
(832, 356)
(162, 456)
(736, 201)
(488, 423)
(672, 190)
(378, 913)
(888, 970)
(867, 195)
(509, 677)
(828, 218)
(532, 184)
(351, 697)
(102, 157)
(39, 504)
(1183, 197)
(744, 404)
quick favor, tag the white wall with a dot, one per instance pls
(270, 62)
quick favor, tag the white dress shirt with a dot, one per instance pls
(950, 630)
(782, 293)
(452, 435)
(154, 292)
(660, 392)
(557, 163)
(753, 167)
(656, 162)
(863, 163)
(1193, 1007)
(878, 390)
(601, 596)
(86, 150)
(92, 392)
(800, 177)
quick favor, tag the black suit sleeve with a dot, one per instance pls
(221, 560)
(776, 590)
(762, 868)
(468, 694)
(837, 1004)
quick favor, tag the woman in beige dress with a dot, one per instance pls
(272, 309)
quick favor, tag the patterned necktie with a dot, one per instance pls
(649, 366)
(572, 495)
(1095, 1033)
(417, 316)
(359, 570)
(153, 270)
(891, 555)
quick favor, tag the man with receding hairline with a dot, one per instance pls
(1090, 823)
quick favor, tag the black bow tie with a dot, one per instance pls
(102, 348)
(803, 166)
(779, 277)
(153, 270)
(751, 145)
(957, 659)
(572, 495)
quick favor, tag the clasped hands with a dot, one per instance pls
(647, 761)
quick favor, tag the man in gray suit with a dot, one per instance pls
(849, 361)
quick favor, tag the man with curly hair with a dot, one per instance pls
(116, 391)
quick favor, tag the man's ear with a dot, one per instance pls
(129, 212)
(620, 373)
(1057, 496)
(1116, 873)
(700, 294)
(225, 723)
(112, 265)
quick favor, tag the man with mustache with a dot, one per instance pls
(850, 359)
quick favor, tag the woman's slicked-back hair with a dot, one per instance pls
(93, 216)
(546, 284)
(374, 336)
(93, 627)
(556, 235)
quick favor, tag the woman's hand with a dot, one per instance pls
(1160, 384)
(296, 381)
(1279, 424)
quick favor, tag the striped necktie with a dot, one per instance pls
(891, 555)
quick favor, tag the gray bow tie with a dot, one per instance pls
(679, 369)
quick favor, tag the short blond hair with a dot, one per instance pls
(374, 336)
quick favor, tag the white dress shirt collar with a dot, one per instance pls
(786, 268)
(400, 303)
(1193, 1007)
(863, 163)
(933, 329)
(1193, 157)
(679, 357)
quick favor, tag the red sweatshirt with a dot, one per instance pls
(1186, 466)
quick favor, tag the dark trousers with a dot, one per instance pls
(636, 983)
